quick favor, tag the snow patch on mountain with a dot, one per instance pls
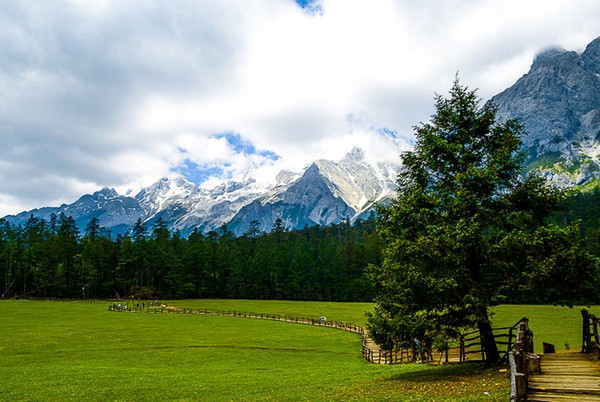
(324, 192)
(357, 181)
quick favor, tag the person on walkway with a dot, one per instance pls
(417, 356)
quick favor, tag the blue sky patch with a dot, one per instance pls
(389, 133)
(310, 6)
(198, 174)
(242, 146)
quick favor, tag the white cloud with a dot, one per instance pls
(109, 93)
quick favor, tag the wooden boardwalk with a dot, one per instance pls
(571, 376)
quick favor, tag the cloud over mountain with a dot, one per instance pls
(107, 93)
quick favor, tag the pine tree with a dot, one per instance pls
(458, 231)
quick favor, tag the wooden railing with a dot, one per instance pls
(370, 351)
(468, 344)
(591, 341)
(350, 327)
(522, 362)
(471, 342)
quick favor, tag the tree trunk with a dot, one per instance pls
(488, 342)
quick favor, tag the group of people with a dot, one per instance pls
(124, 307)
(420, 353)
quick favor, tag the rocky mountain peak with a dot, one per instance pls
(558, 103)
(285, 177)
(591, 56)
(554, 56)
(356, 155)
(105, 193)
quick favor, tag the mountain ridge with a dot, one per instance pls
(325, 192)
(558, 103)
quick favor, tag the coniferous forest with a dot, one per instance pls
(56, 259)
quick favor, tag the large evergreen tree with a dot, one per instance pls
(458, 232)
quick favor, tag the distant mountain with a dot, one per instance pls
(558, 102)
(325, 192)
(115, 211)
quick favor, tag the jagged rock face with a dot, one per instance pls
(558, 102)
(307, 201)
(354, 180)
(326, 192)
(217, 207)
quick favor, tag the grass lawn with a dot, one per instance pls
(543, 319)
(72, 351)
(558, 325)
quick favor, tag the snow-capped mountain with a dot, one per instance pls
(325, 192)
(215, 208)
(357, 182)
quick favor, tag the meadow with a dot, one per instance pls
(74, 351)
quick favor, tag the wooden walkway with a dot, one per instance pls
(571, 376)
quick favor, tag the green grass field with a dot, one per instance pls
(560, 326)
(543, 319)
(73, 351)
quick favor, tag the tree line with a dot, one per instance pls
(54, 259)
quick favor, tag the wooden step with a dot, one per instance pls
(566, 377)
(563, 397)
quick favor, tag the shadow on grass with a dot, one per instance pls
(447, 372)
(449, 383)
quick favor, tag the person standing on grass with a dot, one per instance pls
(417, 351)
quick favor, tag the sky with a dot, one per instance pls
(119, 93)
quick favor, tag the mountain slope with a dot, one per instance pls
(325, 192)
(114, 211)
(307, 201)
(558, 102)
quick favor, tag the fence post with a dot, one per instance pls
(518, 380)
(586, 344)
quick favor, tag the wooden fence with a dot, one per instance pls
(471, 344)
(233, 313)
(461, 350)
(591, 341)
(522, 362)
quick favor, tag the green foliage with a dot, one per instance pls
(52, 259)
(466, 231)
(584, 209)
(545, 161)
(554, 162)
